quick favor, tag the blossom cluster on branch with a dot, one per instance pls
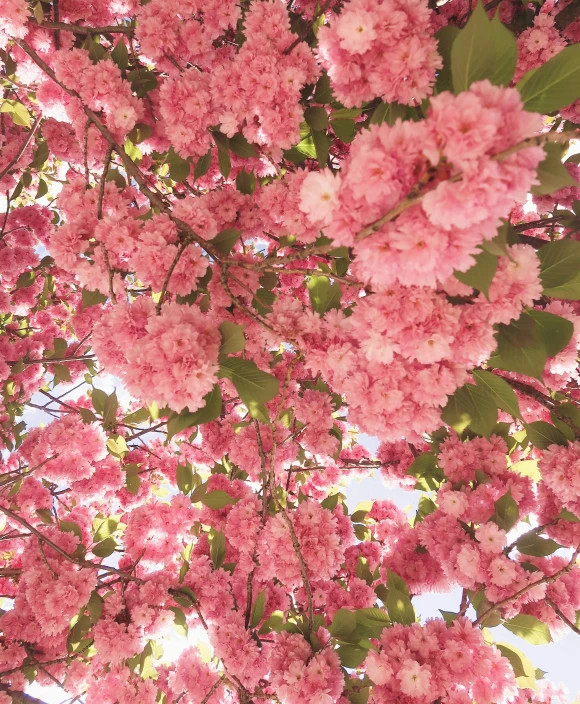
(277, 228)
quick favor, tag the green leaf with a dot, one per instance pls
(117, 445)
(553, 85)
(306, 146)
(524, 671)
(140, 133)
(321, 147)
(351, 656)
(473, 407)
(258, 609)
(17, 112)
(95, 606)
(552, 174)
(120, 55)
(400, 607)
(45, 515)
(138, 416)
(104, 548)
(233, 339)
(323, 91)
(324, 295)
(316, 118)
(542, 434)
(178, 167)
(511, 355)
(225, 240)
(506, 512)
(110, 410)
(481, 273)
(132, 481)
(217, 547)
(537, 546)
(398, 603)
(566, 515)
(343, 624)
(241, 147)
(202, 166)
(42, 189)
(506, 52)
(70, 527)
(212, 408)
(26, 279)
(38, 13)
(252, 384)
(184, 477)
(344, 128)
(92, 298)
(217, 499)
(223, 145)
(61, 374)
(132, 151)
(179, 621)
(501, 392)
(552, 330)
(560, 264)
(481, 50)
(87, 415)
(530, 629)
(106, 529)
(246, 182)
(40, 156)
(445, 38)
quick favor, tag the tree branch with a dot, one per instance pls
(561, 615)
(567, 15)
(418, 193)
(22, 149)
(78, 29)
(548, 579)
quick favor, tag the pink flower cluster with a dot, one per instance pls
(382, 50)
(66, 450)
(456, 146)
(420, 664)
(170, 358)
(560, 469)
(101, 87)
(299, 674)
(318, 535)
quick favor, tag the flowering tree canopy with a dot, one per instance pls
(278, 226)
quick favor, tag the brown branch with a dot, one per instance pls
(543, 222)
(212, 690)
(302, 37)
(541, 398)
(110, 271)
(15, 159)
(78, 29)
(567, 15)
(562, 616)
(418, 193)
(548, 579)
(303, 568)
(131, 168)
(184, 245)
(75, 561)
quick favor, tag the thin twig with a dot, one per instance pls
(184, 245)
(563, 616)
(418, 193)
(78, 29)
(15, 159)
(548, 579)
